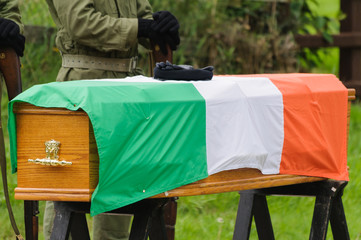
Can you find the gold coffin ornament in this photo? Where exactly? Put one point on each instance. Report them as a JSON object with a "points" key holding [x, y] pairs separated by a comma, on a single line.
{"points": [[51, 150]]}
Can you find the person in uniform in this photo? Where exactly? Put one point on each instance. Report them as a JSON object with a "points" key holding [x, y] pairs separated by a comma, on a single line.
{"points": [[99, 39], [107, 31], [11, 30]]}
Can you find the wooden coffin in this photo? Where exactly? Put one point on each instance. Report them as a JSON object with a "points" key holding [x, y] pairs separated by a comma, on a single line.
{"points": [[76, 182]]}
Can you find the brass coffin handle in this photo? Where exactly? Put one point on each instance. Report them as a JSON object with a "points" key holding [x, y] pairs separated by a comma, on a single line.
{"points": [[51, 150], [50, 162]]}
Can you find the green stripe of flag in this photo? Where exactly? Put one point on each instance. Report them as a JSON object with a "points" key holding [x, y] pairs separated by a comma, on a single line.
{"points": [[151, 137]]}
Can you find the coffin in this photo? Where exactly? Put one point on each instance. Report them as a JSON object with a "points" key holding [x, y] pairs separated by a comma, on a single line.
{"points": [[38, 179]]}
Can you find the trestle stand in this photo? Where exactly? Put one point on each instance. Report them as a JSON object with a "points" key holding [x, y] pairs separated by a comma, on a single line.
{"points": [[170, 217], [31, 211], [148, 220], [328, 207]]}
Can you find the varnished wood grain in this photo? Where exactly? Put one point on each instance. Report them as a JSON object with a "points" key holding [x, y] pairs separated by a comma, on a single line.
{"points": [[54, 194], [236, 180], [72, 129]]}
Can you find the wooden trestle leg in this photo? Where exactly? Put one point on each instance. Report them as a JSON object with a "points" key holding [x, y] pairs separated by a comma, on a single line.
{"points": [[31, 210], [70, 219], [251, 204], [328, 208], [148, 220], [152, 217], [170, 217]]}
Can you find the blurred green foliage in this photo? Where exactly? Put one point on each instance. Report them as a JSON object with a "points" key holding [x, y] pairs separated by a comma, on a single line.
{"points": [[249, 36], [238, 36]]}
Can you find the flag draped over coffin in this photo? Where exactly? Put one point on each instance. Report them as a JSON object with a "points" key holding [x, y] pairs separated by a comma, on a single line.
{"points": [[153, 136]]}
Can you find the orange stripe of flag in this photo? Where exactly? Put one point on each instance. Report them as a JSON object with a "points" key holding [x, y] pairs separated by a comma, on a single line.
{"points": [[315, 124]]}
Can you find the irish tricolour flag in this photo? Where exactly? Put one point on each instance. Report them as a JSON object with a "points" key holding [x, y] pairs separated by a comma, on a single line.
{"points": [[154, 136]]}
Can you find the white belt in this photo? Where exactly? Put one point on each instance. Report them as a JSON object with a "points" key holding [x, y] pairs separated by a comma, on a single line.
{"points": [[100, 63]]}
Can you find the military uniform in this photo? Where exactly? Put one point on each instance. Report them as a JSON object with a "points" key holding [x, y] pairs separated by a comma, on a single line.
{"points": [[99, 28], [9, 9], [10, 28], [95, 37]]}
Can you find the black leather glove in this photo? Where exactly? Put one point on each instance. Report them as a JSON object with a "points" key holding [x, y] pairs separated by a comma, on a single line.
{"points": [[17, 43], [147, 28], [8, 28]]}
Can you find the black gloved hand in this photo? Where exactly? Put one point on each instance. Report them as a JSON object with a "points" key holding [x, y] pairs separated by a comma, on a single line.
{"points": [[162, 40], [17, 43], [167, 39], [10, 36], [8, 28], [147, 28], [144, 27], [166, 22]]}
